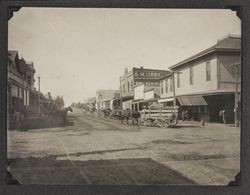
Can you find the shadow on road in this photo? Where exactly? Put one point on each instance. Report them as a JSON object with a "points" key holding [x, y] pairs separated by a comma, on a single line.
{"points": [[48, 170]]}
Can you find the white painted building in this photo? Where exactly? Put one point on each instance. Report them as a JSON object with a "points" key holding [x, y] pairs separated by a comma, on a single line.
{"points": [[205, 82], [145, 95]]}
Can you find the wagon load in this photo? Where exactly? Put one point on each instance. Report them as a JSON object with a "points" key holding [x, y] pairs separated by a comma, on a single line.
{"points": [[159, 116]]}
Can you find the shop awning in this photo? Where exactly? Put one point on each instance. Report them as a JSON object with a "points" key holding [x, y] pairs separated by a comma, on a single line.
{"points": [[166, 100], [192, 101]]}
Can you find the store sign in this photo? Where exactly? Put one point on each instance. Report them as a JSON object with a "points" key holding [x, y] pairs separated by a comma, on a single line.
{"points": [[152, 83], [148, 74]]}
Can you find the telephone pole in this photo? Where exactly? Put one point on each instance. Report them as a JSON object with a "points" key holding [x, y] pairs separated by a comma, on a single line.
{"points": [[236, 100], [173, 85]]}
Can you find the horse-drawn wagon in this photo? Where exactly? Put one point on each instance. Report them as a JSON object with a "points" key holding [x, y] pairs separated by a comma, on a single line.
{"points": [[159, 116]]}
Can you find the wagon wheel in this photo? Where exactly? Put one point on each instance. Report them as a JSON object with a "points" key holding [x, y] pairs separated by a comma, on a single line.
{"points": [[173, 121], [142, 122], [159, 123]]}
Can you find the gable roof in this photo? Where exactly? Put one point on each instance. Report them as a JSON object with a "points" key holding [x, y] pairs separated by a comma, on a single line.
{"points": [[21, 65], [12, 55], [228, 43]]}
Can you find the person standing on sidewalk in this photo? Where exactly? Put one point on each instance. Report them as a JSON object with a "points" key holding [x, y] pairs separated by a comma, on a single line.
{"points": [[223, 115]]}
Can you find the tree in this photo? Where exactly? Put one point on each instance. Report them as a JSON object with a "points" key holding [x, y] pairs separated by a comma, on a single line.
{"points": [[50, 96], [79, 105], [73, 105], [59, 102]]}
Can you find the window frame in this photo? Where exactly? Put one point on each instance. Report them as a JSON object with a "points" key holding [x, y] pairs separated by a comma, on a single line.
{"points": [[178, 80], [191, 75], [208, 71]]}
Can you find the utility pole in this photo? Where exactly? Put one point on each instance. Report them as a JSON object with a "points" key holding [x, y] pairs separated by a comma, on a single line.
{"points": [[121, 95], [236, 120], [39, 109], [173, 85]]}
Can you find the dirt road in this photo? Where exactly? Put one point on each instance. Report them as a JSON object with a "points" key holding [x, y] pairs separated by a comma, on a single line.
{"points": [[102, 151]]}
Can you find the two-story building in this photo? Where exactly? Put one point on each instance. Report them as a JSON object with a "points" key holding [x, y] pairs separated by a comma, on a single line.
{"points": [[20, 82], [135, 77], [205, 83], [104, 98], [145, 95], [90, 103]]}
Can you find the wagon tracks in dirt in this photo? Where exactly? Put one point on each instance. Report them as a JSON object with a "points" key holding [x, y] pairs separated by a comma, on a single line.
{"points": [[101, 151], [101, 124]]}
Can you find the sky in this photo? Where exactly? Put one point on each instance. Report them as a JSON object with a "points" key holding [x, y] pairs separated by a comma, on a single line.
{"points": [[77, 51]]}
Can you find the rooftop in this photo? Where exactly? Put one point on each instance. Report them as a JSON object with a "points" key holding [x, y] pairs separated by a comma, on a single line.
{"points": [[227, 43]]}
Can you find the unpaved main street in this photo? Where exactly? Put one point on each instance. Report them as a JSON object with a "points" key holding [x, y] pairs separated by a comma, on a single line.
{"points": [[102, 151]]}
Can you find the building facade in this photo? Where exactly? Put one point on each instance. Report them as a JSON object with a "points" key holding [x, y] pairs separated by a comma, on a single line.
{"points": [[145, 95], [205, 83], [104, 98], [135, 77], [20, 82]]}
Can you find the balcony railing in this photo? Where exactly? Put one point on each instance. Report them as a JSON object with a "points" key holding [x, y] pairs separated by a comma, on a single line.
{"points": [[18, 79]]}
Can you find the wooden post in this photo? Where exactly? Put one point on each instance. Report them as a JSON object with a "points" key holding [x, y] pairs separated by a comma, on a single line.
{"points": [[173, 85], [236, 121], [121, 95]]}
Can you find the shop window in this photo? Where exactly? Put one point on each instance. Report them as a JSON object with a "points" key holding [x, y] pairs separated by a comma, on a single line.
{"points": [[202, 109], [206, 109], [199, 109], [194, 109]]}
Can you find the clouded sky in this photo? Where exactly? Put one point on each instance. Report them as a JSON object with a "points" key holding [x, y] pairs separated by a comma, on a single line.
{"points": [[79, 50]]}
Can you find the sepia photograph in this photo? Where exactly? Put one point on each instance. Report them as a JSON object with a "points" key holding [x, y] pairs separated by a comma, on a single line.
{"points": [[104, 96]]}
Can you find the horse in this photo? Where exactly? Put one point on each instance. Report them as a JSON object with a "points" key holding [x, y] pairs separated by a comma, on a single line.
{"points": [[134, 115], [65, 112], [125, 115], [106, 112], [68, 109]]}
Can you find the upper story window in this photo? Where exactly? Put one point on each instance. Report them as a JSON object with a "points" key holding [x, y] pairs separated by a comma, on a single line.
{"points": [[191, 72], [178, 80], [161, 87], [29, 80], [208, 71], [123, 91], [171, 84], [128, 87], [166, 85]]}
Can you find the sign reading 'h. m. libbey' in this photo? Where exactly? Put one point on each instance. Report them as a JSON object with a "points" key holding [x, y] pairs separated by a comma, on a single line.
{"points": [[148, 73]]}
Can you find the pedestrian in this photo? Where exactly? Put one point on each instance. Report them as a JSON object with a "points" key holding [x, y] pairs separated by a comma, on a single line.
{"points": [[222, 114], [189, 114], [183, 113]]}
